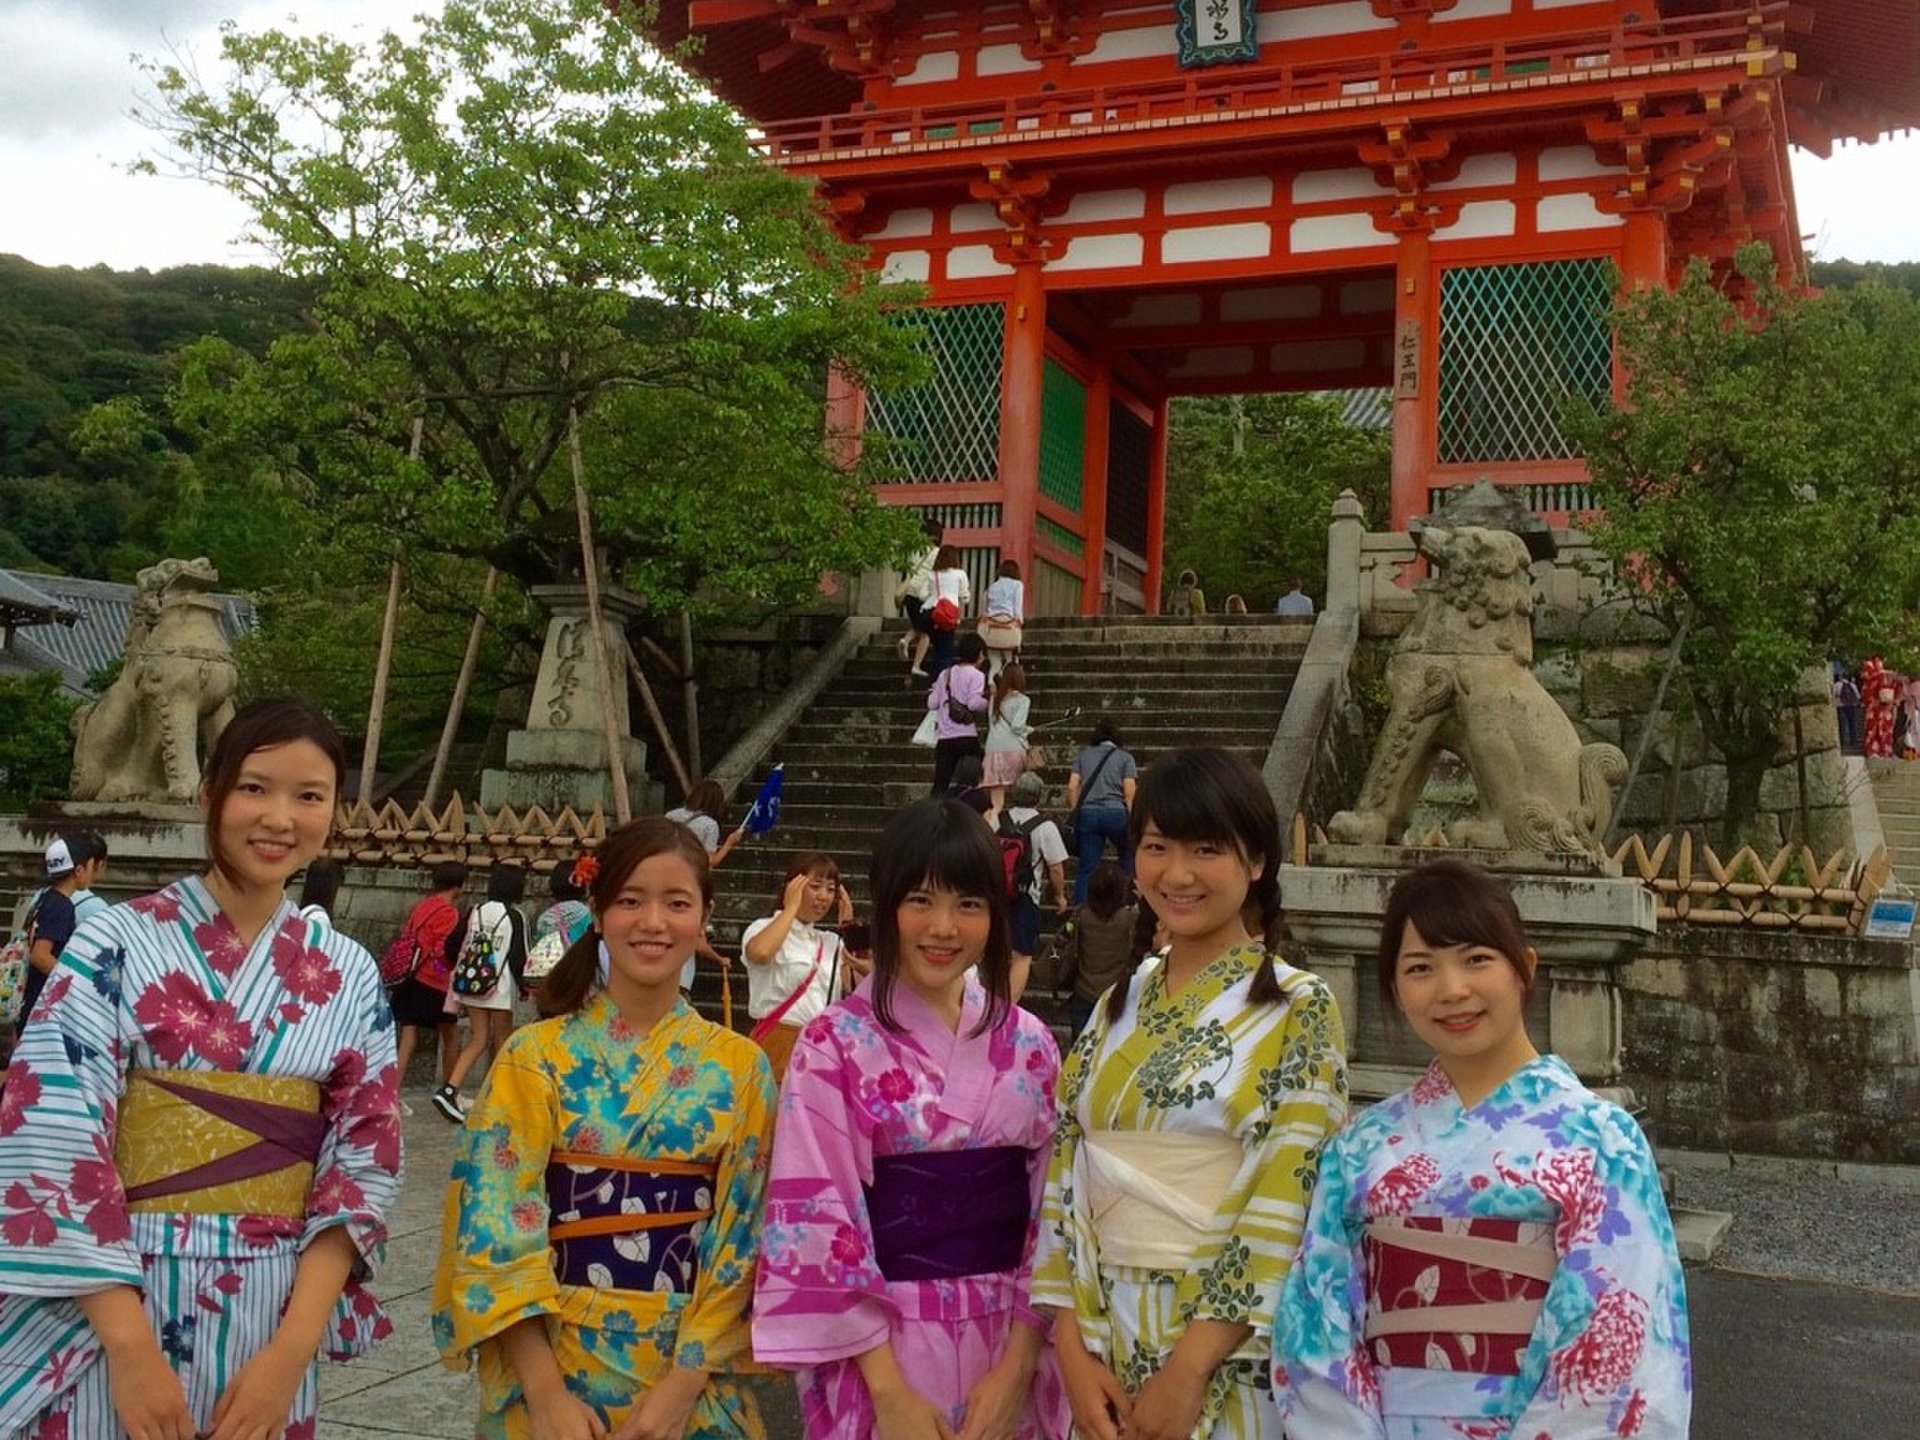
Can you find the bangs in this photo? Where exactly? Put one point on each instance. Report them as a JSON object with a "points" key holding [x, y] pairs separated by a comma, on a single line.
{"points": [[958, 863], [1207, 796]]}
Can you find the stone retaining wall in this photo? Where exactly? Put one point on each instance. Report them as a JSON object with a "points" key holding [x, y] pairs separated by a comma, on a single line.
{"points": [[1776, 1044]]}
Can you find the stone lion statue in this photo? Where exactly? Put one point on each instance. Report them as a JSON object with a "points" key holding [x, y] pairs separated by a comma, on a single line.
{"points": [[143, 738], [1461, 679]]}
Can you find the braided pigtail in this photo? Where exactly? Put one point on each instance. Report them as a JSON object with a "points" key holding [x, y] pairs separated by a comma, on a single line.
{"points": [[1143, 927], [1265, 892]]}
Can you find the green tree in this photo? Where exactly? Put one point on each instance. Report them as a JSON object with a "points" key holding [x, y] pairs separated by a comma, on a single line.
{"points": [[1251, 484], [1760, 480], [36, 746], [524, 215]]}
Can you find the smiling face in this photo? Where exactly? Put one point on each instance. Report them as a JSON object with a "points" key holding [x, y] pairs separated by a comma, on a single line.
{"points": [[276, 817], [1197, 889], [1465, 1001], [943, 935], [651, 927]]}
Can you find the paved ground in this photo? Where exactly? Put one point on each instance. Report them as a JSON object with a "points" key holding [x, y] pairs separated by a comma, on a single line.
{"points": [[1777, 1353]]}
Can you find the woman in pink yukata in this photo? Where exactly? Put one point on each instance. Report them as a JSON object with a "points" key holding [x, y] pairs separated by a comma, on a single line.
{"points": [[1487, 1254], [908, 1164]]}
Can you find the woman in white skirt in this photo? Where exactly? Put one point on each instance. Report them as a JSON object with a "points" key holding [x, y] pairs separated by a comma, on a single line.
{"points": [[1007, 732], [489, 1014]]}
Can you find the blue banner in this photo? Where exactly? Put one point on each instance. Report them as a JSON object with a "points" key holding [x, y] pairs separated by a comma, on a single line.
{"points": [[1217, 32], [766, 805]]}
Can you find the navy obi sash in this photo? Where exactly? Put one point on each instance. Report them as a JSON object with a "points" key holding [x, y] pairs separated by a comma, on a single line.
{"points": [[948, 1213], [619, 1224]]}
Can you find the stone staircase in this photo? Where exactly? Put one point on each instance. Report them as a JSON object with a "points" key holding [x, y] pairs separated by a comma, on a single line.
{"points": [[1896, 791], [850, 761]]}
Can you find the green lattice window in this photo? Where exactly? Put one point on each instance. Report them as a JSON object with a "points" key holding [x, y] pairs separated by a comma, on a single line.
{"points": [[948, 427], [1516, 341], [1060, 537], [1063, 436]]}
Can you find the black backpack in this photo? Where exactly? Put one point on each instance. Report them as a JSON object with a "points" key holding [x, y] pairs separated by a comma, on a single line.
{"points": [[1016, 851]]}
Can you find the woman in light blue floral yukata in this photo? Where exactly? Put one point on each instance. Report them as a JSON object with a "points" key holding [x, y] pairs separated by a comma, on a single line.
{"points": [[200, 1136], [1488, 1254], [597, 1259]]}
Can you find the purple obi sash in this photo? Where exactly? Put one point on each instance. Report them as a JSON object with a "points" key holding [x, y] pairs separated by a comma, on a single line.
{"points": [[947, 1213], [619, 1224]]}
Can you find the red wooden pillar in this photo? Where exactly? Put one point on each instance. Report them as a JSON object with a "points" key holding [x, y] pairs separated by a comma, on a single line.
{"points": [[846, 417], [1093, 484], [1643, 250], [1023, 374], [1416, 348], [1156, 504]]}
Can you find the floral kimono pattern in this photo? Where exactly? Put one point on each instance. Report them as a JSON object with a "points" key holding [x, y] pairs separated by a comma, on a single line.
{"points": [[1608, 1354], [686, 1092], [857, 1090], [1204, 1061], [165, 983]]}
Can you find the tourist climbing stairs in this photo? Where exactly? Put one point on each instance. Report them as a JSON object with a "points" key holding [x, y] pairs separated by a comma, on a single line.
{"points": [[850, 761]]}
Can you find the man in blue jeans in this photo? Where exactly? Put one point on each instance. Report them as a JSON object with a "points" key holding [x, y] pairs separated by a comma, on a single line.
{"points": [[1099, 795]]}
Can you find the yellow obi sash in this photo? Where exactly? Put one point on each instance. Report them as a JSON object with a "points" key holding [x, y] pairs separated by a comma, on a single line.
{"points": [[206, 1142], [1153, 1194]]}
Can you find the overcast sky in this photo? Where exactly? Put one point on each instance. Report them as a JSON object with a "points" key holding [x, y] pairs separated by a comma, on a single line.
{"points": [[67, 81]]}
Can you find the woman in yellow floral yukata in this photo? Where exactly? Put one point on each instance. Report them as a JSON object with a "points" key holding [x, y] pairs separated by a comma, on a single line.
{"points": [[1192, 1111], [598, 1257]]}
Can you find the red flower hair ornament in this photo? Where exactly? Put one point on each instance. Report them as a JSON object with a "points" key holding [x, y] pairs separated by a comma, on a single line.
{"points": [[584, 871]]}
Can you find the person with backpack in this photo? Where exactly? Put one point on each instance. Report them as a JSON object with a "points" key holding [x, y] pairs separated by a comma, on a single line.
{"points": [[952, 595], [1099, 799], [557, 927], [486, 973], [416, 972], [1035, 857], [958, 701]]}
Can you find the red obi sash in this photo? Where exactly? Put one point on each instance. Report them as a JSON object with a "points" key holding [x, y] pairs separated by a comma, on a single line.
{"points": [[1446, 1294]]}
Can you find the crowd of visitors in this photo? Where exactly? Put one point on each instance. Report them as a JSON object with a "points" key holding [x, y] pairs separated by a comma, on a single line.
{"points": [[895, 1187], [1877, 710]]}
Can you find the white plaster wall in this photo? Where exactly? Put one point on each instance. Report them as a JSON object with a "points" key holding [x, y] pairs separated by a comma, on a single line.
{"points": [[1217, 242], [1243, 192]]}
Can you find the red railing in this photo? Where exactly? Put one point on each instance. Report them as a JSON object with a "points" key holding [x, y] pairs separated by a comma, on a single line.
{"points": [[1663, 42]]}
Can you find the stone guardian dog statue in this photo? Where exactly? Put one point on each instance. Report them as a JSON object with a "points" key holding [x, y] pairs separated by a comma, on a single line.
{"points": [[1461, 679], [142, 741]]}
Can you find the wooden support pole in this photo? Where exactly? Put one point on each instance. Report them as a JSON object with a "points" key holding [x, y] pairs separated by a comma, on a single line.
{"points": [[690, 693], [1023, 381], [463, 682], [383, 665], [602, 661], [659, 721]]}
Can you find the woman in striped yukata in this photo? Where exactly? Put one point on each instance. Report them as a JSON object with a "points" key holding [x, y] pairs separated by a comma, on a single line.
{"points": [[200, 1135]]}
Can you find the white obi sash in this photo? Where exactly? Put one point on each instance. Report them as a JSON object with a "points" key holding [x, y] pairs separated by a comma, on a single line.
{"points": [[1153, 1194]]}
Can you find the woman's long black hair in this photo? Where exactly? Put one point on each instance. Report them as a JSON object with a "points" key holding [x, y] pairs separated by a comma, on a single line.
{"points": [[942, 845], [1203, 794]]}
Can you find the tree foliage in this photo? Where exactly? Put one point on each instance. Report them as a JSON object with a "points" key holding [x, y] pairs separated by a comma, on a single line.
{"points": [[1251, 485], [1762, 477], [523, 215], [36, 748]]}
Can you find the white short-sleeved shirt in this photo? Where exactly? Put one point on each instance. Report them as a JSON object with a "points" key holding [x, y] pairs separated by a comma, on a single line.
{"points": [[1049, 849], [768, 985]]}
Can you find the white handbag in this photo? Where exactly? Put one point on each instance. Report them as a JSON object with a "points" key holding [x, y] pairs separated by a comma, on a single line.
{"points": [[928, 731]]}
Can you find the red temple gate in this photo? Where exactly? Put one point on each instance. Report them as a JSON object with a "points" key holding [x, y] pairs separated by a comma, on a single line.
{"points": [[1115, 202]]}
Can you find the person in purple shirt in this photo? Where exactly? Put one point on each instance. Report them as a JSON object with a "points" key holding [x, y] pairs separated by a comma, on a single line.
{"points": [[958, 700]]}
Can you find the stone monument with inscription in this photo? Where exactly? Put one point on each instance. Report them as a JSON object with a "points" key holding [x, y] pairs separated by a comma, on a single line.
{"points": [[560, 759]]}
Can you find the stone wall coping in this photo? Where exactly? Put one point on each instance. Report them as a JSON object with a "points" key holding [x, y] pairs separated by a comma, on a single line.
{"points": [[1310, 702]]}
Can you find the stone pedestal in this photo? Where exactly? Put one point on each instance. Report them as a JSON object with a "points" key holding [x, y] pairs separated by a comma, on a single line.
{"points": [[560, 759], [1582, 918]]}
